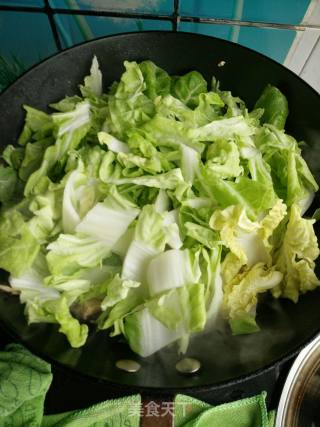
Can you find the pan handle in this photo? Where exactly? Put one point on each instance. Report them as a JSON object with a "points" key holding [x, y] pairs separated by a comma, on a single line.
{"points": [[157, 412]]}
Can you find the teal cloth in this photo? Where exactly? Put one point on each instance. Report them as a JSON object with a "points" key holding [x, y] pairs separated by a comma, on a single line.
{"points": [[25, 380]]}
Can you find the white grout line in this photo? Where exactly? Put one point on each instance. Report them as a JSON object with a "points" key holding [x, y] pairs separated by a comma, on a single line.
{"points": [[238, 16], [242, 23]]}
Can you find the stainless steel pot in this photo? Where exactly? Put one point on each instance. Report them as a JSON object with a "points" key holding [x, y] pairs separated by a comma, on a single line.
{"points": [[300, 398]]}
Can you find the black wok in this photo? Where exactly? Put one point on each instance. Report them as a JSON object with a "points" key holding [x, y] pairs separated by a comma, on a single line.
{"points": [[227, 362]]}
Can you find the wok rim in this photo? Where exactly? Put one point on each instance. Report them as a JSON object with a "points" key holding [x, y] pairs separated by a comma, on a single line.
{"points": [[136, 33]]}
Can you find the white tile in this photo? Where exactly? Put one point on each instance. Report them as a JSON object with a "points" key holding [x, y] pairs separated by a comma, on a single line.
{"points": [[311, 69], [312, 16], [301, 49], [304, 55]]}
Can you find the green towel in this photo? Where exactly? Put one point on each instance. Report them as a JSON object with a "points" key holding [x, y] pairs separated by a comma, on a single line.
{"points": [[25, 379], [117, 412], [24, 382], [250, 412]]}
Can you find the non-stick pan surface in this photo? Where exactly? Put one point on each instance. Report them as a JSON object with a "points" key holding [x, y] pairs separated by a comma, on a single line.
{"points": [[285, 326]]}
